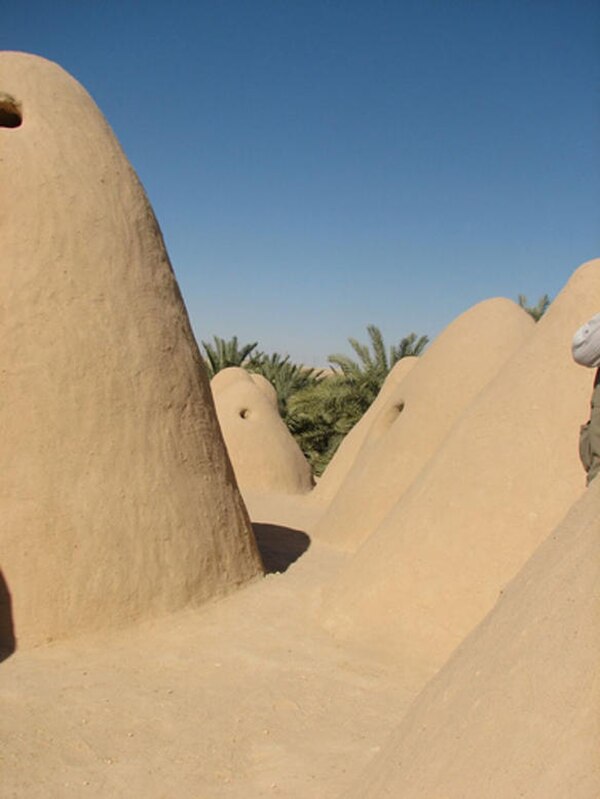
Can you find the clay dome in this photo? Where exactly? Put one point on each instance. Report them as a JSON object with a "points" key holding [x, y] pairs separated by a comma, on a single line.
{"points": [[498, 485], [365, 432], [421, 411], [515, 710], [118, 500], [264, 454]]}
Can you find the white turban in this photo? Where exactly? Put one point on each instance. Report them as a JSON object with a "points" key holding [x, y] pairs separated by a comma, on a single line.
{"points": [[586, 343]]}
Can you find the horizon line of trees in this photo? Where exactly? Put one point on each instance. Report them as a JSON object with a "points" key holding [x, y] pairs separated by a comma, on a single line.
{"points": [[321, 407]]}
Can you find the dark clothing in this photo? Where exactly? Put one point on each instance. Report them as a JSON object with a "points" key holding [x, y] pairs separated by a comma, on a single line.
{"points": [[589, 437]]}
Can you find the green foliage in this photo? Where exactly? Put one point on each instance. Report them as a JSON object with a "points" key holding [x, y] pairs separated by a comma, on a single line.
{"points": [[319, 411], [411, 345], [222, 354], [535, 311], [288, 378], [368, 374], [320, 416]]}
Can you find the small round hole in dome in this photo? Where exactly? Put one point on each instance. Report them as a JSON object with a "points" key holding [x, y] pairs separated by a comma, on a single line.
{"points": [[10, 112]]}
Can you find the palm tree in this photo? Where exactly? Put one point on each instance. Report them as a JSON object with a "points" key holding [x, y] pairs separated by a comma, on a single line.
{"points": [[319, 411], [535, 311], [223, 353], [410, 345], [288, 378], [321, 415], [369, 373]]}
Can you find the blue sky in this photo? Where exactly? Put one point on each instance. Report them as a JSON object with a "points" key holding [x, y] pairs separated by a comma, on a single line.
{"points": [[319, 165]]}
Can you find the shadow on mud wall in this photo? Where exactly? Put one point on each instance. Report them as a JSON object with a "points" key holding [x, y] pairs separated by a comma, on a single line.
{"points": [[8, 643], [279, 546]]}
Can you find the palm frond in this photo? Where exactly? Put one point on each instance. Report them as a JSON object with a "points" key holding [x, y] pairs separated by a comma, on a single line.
{"points": [[378, 346], [535, 311], [222, 353]]}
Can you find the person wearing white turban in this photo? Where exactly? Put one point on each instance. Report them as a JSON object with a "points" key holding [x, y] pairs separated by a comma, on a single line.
{"points": [[586, 352]]}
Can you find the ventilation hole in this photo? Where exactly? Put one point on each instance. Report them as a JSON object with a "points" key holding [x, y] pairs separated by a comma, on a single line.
{"points": [[399, 406], [244, 413], [10, 112]]}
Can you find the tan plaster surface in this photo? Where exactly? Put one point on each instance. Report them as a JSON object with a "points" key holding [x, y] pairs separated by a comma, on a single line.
{"points": [[264, 455], [378, 418], [516, 711], [117, 500], [497, 486], [431, 397], [120, 515]]}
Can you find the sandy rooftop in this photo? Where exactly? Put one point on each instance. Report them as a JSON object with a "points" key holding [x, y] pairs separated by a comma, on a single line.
{"points": [[427, 621], [246, 697]]}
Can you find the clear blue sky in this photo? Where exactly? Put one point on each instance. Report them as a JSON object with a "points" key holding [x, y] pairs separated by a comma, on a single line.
{"points": [[318, 165]]}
